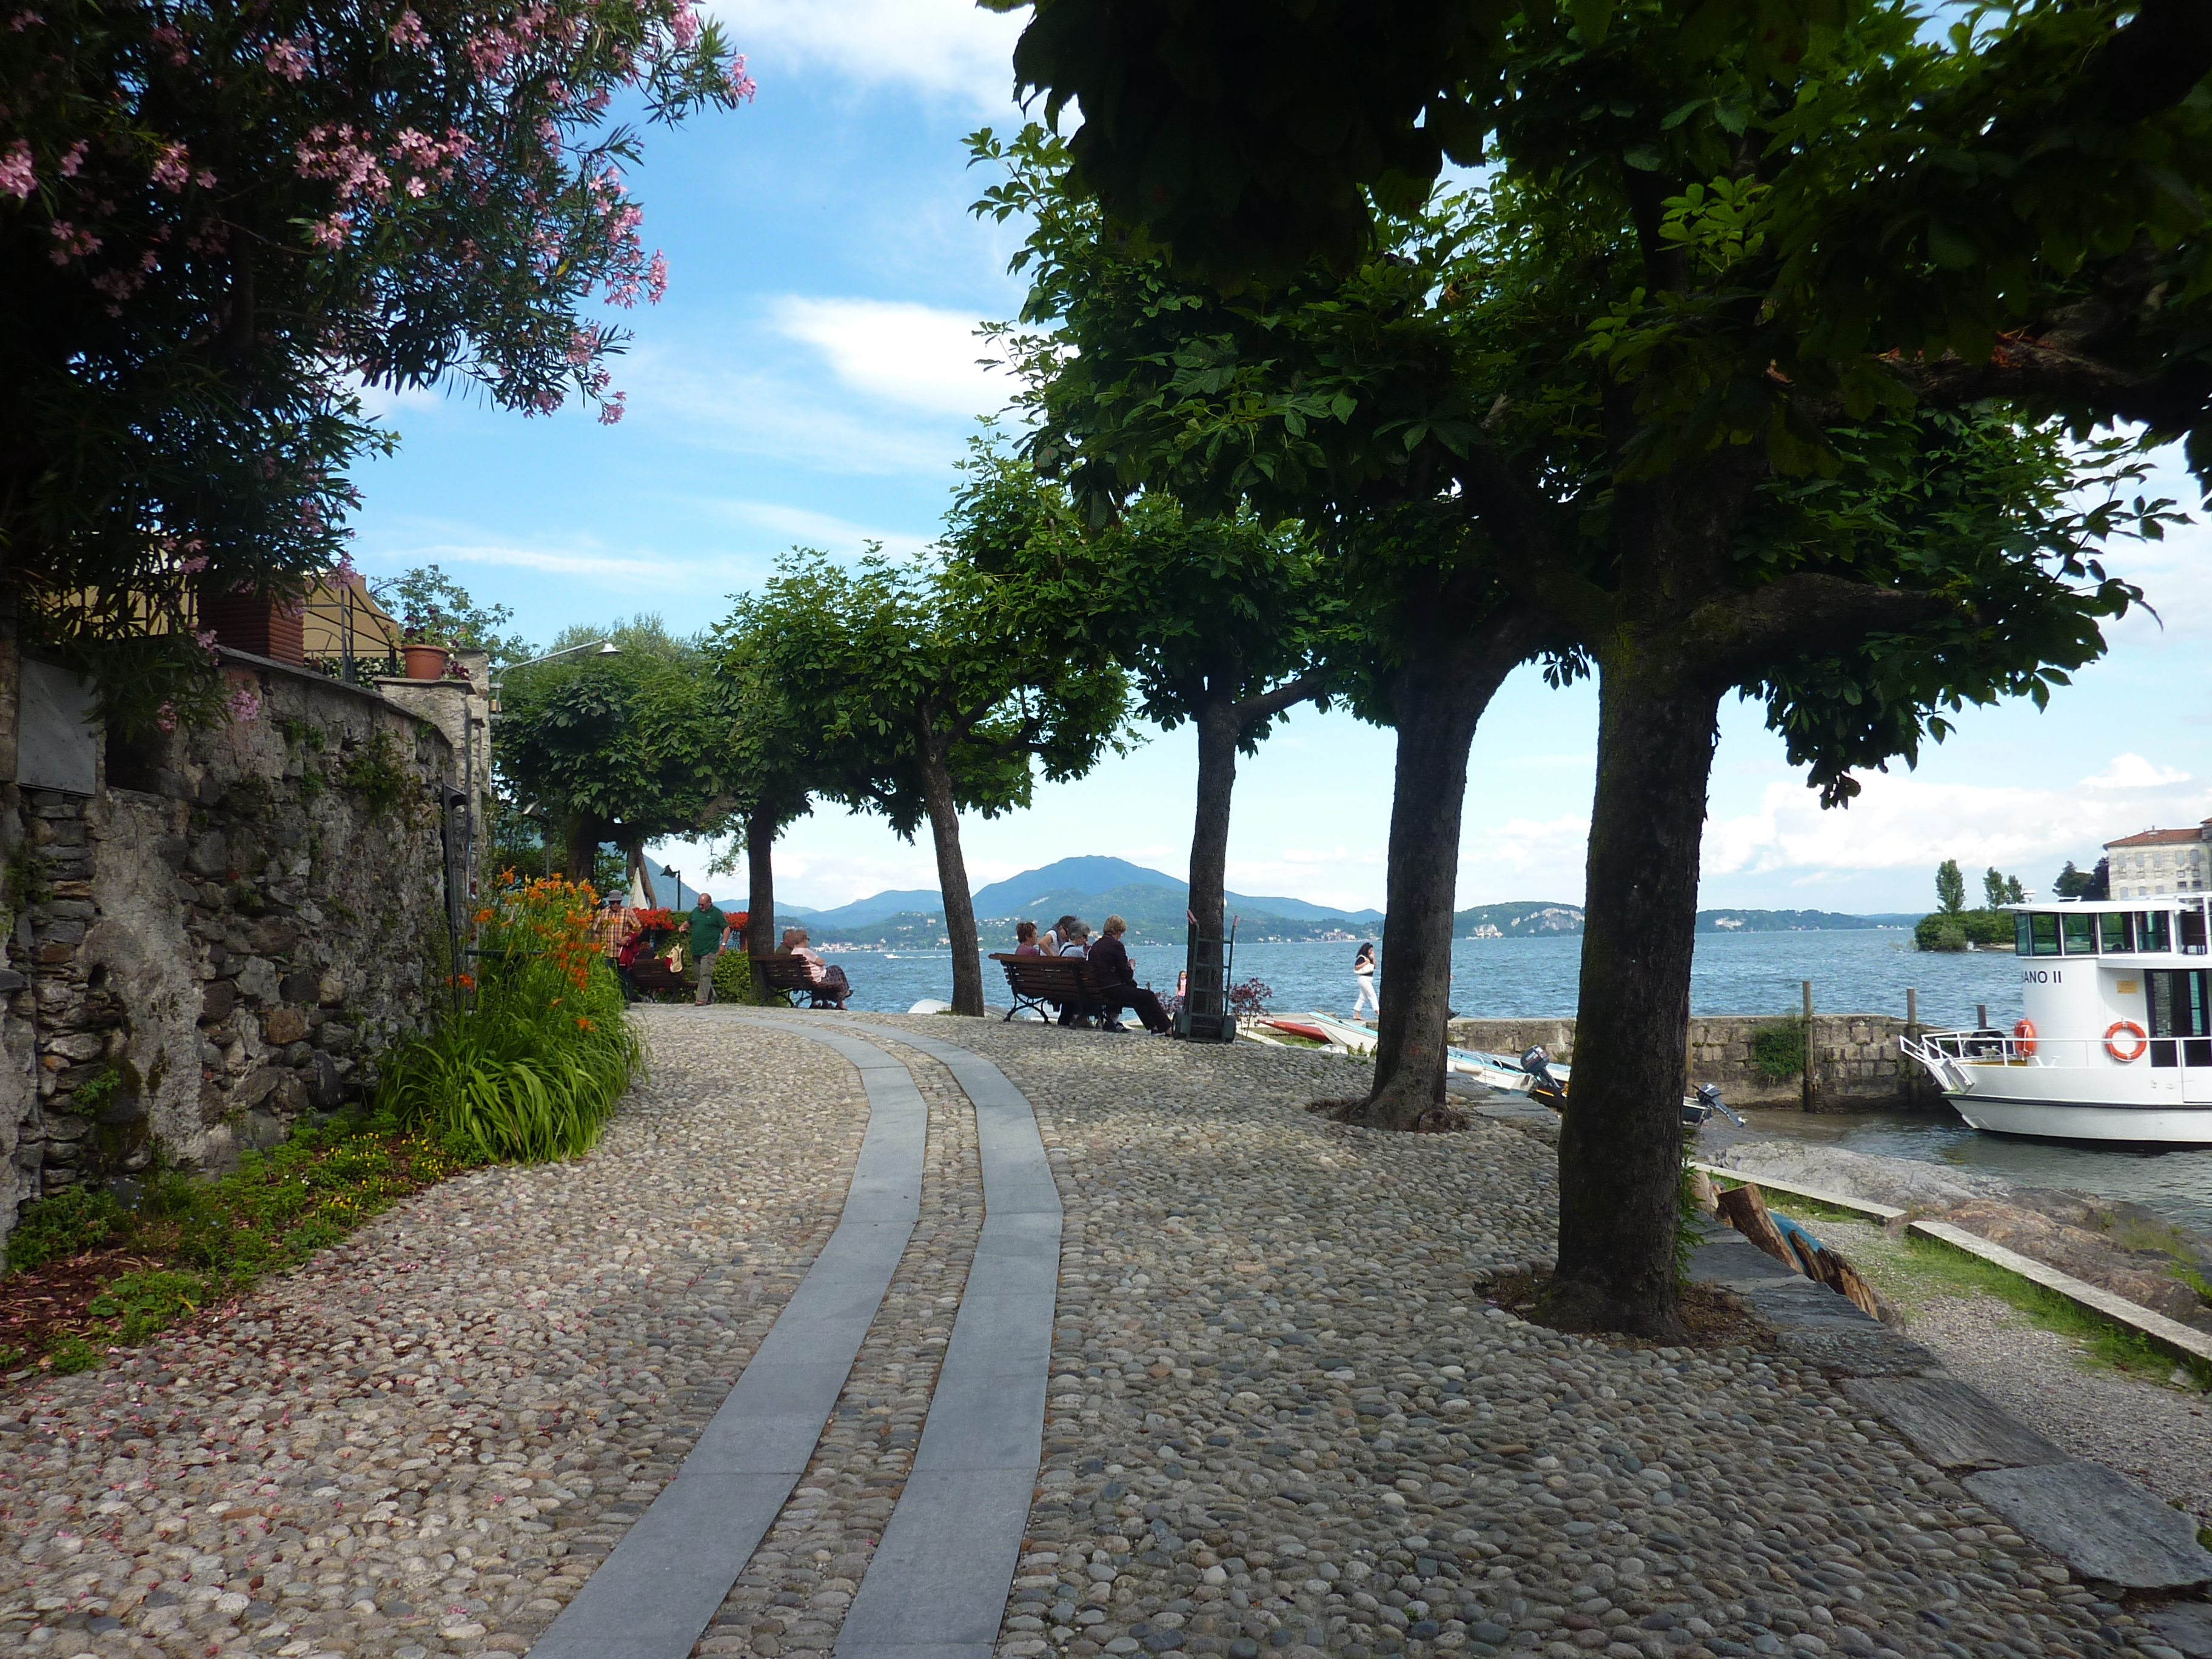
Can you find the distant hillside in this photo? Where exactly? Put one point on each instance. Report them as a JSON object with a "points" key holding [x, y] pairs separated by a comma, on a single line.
{"points": [[1153, 902], [1529, 918], [1792, 921], [1520, 920]]}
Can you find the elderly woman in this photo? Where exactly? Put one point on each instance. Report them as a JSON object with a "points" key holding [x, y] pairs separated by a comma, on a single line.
{"points": [[827, 976]]}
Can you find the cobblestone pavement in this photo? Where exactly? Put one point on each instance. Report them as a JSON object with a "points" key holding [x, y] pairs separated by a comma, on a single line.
{"points": [[1282, 1420], [424, 1441]]}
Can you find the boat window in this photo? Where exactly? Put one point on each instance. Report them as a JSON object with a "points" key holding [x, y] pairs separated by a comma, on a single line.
{"points": [[2020, 942], [2115, 937], [2079, 929], [2178, 1010], [2042, 934], [2151, 931]]}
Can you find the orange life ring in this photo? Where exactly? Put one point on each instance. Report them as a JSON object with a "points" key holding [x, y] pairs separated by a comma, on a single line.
{"points": [[2023, 1036], [2141, 1037]]}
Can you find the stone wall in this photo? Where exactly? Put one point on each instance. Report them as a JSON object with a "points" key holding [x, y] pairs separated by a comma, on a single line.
{"points": [[216, 941], [1857, 1065]]}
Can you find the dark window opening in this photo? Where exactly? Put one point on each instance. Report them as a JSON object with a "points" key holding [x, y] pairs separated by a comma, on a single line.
{"points": [[135, 759], [2180, 1021]]}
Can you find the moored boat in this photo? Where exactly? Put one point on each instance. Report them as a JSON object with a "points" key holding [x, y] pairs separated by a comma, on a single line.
{"points": [[2114, 1042]]}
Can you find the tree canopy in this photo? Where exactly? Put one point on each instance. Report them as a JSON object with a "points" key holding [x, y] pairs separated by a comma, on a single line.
{"points": [[931, 693], [628, 749]]}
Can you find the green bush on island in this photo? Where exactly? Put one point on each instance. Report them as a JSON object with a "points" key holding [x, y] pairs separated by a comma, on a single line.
{"points": [[1954, 930]]}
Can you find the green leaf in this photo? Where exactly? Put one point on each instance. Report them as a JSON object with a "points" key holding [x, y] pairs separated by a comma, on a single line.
{"points": [[1644, 158], [1593, 18], [1948, 248]]}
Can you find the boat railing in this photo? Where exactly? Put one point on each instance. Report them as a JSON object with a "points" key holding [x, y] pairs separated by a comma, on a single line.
{"points": [[1990, 1047]]}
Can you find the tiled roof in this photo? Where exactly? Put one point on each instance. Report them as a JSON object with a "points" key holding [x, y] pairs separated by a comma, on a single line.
{"points": [[2161, 838]]}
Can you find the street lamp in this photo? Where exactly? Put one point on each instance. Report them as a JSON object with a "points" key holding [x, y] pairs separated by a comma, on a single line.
{"points": [[600, 647]]}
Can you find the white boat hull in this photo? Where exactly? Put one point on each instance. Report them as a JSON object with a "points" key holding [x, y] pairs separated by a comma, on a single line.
{"points": [[2178, 1126]]}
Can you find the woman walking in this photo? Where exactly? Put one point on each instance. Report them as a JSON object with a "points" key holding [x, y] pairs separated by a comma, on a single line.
{"points": [[1363, 976]]}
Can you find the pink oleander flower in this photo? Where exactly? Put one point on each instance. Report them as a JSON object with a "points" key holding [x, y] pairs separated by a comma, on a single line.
{"points": [[611, 410], [18, 178], [584, 345], [171, 170], [656, 277], [684, 24], [409, 31], [204, 178], [23, 20], [170, 40], [245, 703], [73, 160], [286, 58], [71, 242], [741, 85], [167, 719], [331, 232]]}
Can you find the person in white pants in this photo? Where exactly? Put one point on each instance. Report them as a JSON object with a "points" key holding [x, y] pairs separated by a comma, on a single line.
{"points": [[1363, 976]]}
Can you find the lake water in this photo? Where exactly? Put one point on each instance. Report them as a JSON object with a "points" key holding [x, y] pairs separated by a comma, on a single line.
{"points": [[1864, 971], [1852, 972]]}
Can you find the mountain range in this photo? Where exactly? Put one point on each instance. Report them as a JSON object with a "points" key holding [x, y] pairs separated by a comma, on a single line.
{"points": [[1154, 903]]}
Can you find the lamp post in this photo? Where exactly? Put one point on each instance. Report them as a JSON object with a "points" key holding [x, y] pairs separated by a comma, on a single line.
{"points": [[598, 648]]}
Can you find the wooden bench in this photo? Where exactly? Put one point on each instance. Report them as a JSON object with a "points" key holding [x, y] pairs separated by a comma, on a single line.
{"points": [[651, 973], [1068, 982], [787, 975]]}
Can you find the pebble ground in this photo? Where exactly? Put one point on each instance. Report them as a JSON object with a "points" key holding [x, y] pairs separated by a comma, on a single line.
{"points": [[1282, 1418]]}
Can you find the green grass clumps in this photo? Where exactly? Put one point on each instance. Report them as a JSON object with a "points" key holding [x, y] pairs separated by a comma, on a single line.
{"points": [[1954, 1269], [1777, 1051], [531, 1067], [67, 1223]]}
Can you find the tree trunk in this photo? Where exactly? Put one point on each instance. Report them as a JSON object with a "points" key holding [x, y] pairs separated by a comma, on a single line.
{"points": [[1439, 697], [585, 835], [760, 895], [1620, 1147], [952, 879], [1218, 731]]}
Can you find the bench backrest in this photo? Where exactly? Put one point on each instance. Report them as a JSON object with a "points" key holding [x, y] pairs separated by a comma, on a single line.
{"points": [[783, 973], [1039, 975]]}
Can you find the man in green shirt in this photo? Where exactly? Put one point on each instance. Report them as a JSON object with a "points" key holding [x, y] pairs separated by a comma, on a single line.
{"points": [[709, 928]]}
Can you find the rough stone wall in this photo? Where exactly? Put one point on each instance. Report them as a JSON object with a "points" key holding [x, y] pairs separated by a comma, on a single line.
{"points": [[199, 961], [1856, 1063]]}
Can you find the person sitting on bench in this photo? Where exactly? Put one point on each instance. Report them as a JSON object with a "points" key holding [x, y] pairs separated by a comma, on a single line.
{"points": [[834, 986], [1111, 958], [1025, 939]]}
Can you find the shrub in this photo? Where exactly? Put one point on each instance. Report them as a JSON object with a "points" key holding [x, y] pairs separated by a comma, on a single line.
{"points": [[72, 1221], [531, 1067], [734, 976], [145, 1302], [1777, 1051], [1250, 999]]}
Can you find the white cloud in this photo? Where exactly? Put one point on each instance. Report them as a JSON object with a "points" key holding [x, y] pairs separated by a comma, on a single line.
{"points": [[950, 50], [2134, 772], [905, 353], [587, 559], [1903, 822]]}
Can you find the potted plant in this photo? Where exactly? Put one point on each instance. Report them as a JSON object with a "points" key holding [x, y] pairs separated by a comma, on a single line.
{"points": [[425, 661]]}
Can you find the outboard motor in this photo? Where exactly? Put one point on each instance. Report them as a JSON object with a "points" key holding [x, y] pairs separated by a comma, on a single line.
{"points": [[1709, 1096], [1543, 1086]]}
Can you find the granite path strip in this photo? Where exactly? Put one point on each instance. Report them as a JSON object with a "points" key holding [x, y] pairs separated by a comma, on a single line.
{"points": [[655, 1593], [939, 1581]]}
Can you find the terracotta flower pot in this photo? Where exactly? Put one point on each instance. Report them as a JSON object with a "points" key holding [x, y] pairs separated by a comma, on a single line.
{"points": [[425, 662]]}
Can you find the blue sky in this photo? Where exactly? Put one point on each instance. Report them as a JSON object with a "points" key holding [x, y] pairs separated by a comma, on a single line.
{"points": [[811, 377]]}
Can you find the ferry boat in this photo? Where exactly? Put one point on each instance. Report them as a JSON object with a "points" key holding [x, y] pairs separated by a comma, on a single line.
{"points": [[2114, 1042]]}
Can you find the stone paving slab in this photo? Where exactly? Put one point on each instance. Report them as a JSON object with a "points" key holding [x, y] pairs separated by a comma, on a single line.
{"points": [[1954, 1427], [2101, 1523]]}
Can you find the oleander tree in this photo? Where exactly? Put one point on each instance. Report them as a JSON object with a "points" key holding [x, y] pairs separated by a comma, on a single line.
{"points": [[220, 224], [1772, 275], [931, 690]]}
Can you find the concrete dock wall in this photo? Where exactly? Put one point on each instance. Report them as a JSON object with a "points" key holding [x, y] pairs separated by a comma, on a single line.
{"points": [[1857, 1065]]}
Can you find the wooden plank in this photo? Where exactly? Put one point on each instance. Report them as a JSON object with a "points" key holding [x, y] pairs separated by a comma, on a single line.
{"points": [[1819, 1195], [1954, 1427], [2168, 1334], [1740, 1207]]}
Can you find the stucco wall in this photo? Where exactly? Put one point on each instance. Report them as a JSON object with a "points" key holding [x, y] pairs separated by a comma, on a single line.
{"points": [[224, 946]]}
